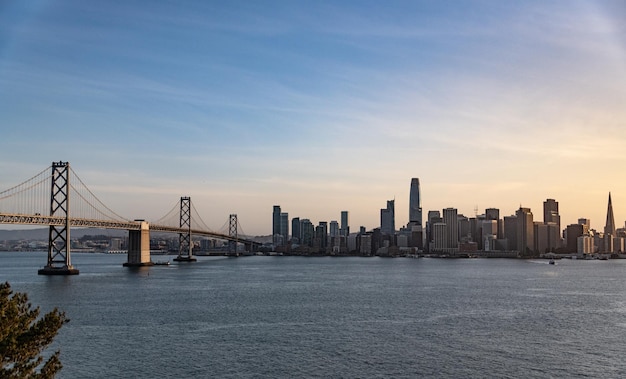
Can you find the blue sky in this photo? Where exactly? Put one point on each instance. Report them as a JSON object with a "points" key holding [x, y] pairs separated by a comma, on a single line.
{"points": [[319, 106]]}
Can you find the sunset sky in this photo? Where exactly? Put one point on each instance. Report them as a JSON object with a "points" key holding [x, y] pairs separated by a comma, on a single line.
{"points": [[319, 106]]}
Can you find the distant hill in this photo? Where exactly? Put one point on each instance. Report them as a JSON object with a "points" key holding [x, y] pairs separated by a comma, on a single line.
{"points": [[42, 233]]}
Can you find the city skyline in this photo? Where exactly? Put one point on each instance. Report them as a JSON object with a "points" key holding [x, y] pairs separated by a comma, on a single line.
{"points": [[320, 107]]}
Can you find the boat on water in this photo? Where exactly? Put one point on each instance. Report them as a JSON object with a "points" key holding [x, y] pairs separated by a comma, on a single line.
{"points": [[551, 262], [162, 263]]}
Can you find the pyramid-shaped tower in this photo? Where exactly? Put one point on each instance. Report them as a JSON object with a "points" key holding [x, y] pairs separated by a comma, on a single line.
{"points": [[609, 227]]}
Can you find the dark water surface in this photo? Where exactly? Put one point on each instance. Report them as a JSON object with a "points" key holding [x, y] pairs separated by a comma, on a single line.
{"points": [[268, 317]]}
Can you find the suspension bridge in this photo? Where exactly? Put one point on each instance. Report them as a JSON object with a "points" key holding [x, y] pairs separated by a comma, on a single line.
{"points": [[58, 198]]}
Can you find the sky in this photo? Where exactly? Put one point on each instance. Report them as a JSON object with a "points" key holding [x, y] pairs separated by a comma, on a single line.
{"points": [[319, 106]]}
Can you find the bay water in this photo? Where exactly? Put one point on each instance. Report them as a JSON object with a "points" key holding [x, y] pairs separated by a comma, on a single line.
{"points": [[285, 317]]}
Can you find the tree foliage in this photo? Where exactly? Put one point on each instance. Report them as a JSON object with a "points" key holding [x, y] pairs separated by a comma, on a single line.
{"points": [[24, 336]]}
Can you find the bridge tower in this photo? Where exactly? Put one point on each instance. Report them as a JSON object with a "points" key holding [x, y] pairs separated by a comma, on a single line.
{"points": [[59, 261], [185, 246], [232, 232]]}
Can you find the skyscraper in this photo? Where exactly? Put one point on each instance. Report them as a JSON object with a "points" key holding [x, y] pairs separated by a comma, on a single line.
{"points": [[609, 227], [525, 231], [551, 218], [415, 203], [551, 212], [276, 224], [451, 219], [387, 219], [510, 231], [284, 226], [334, 228], [296, 235], [494, 214], [344, 228]]}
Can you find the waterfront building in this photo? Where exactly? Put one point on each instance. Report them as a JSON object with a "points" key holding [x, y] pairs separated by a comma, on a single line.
{"points": [[415, 203], [465, 233], [554, 236], [276, 224], [608, 244], [387, 218], [494, 214], [585, 245], [296, 235], [618, 245], [432, 218], [321, 232], [402, 240], [572, 233], [541, 237], [307, 231], [450, 218], [352, 242], [524, 229], [345, 227], [609, 226], [586, 223], [488, 234], [439, 231], [365, 245], [334, 229], [551, 212], [284, 226]]}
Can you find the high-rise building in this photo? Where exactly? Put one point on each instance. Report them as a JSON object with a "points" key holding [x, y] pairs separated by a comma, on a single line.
{"points": [[276, 224], [321, 234], [345, 227], [415, 203], [551, 212], [439, 233], [450, 218], [586, 223], [334, 228], [510, 232], [540, 233], [284, 226], [494, 214], [296, 235], [387, 219], [525, 231], [465, 233], [432, 218], [572, 232], [609, 227], [308, 232]]}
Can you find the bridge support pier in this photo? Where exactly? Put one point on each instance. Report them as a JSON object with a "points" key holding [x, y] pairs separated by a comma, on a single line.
{"points": [[139, 247]]}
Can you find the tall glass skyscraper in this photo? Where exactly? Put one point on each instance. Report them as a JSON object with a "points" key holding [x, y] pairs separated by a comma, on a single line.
{"points": [[415, 203], [344, 227], [388, 219]]}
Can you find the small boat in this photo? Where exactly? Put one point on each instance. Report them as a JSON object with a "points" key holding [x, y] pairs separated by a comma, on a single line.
{"points": [[162, 263], [551, 262]]}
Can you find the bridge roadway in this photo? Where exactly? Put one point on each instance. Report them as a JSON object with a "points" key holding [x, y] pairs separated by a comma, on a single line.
{"points": [[22, 219]]}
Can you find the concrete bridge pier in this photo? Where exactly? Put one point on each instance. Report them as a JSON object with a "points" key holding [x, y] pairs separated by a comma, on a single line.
{"points": [[139, 247]]}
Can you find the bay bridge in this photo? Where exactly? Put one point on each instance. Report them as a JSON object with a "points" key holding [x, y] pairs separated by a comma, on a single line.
{"points": [[56, 197]]}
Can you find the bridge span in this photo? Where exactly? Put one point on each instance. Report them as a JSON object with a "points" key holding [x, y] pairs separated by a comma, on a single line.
{"points": [[45, 200]]}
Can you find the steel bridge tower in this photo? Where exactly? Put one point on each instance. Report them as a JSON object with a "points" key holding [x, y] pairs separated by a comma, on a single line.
{"points": [[232, 232], [59, 262], [185, 246]]}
